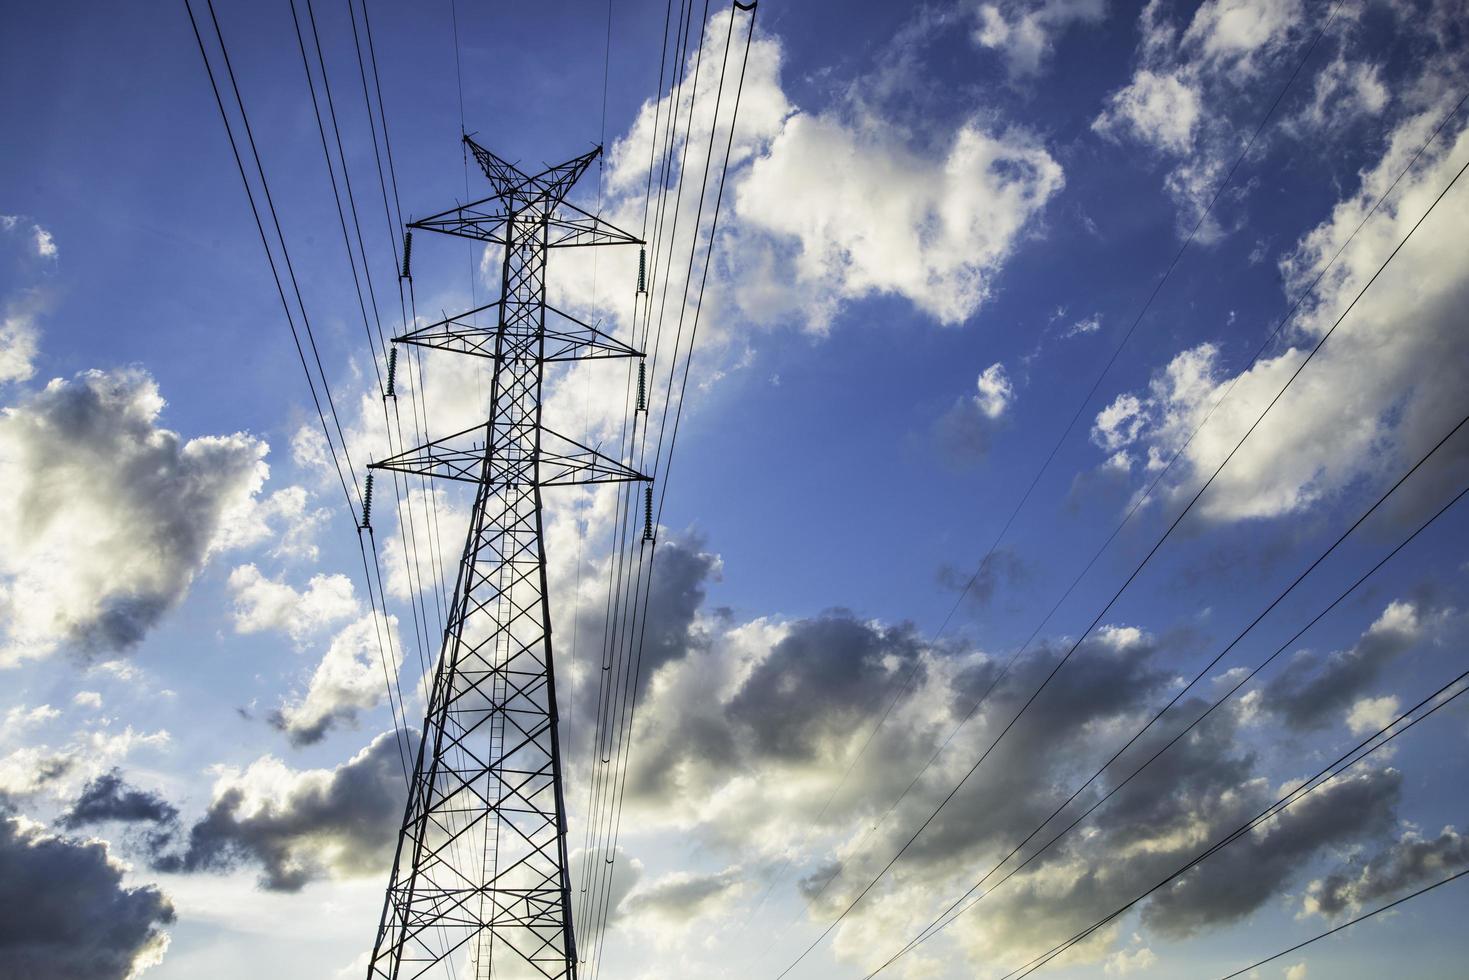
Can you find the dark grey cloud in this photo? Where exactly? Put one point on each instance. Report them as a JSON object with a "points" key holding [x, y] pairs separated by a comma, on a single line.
{"points": [[1313, 692], [1002, 568], [963, 434], [109, 798], [326, 824], [1406, 863], [680, 577], [67, 915], [818, 680], [1248, 873]]}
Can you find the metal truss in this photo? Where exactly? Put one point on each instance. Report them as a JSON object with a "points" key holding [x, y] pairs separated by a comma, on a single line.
{"points": [[480, 884]]}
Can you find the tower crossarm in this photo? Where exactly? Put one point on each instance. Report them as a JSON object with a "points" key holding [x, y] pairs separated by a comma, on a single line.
{"points": [[510, 461], [567, 338]]}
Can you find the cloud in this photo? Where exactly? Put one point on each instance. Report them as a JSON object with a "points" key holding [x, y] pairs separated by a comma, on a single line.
{"points": [[1385, 387], [1086, 325], [68, 914], [855, 212], [678, 898], [108, 798], [1409, 861], [1002, 567], [1160, 110], [965, 430], [269, 604], [742, 740], [1296, 971], [1369, 715], [45, 245], [1024, 31], [1313, 692], [107, 517], [1124, 961], [1214, 62], [20, 337], [35, 767], [348, 680], [299, 826], [284, 518]]}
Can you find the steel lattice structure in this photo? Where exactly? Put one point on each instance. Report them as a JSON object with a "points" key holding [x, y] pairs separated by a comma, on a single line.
{"points": [[480, 875]]}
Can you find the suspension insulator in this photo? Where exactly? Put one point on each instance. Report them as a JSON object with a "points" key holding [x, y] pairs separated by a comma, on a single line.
{"points": [[643, 269], [367, 503], [407, 255], [647, 513], [392, 372], [642, 386]]}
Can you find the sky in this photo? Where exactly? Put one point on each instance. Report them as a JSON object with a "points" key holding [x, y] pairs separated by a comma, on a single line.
{"points": [[1046, 347]]}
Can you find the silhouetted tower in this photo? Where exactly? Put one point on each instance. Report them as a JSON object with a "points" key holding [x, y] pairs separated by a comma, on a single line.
{"points": [[480, 877]]}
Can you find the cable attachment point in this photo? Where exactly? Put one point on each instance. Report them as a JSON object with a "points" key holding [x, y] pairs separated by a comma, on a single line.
{"points": [[407, 255], [647, 513], [366, 524], [642, 269], [392, 372], [642, 386]]}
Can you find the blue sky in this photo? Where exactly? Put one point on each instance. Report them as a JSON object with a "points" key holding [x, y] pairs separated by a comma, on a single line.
{"points": [[940, 224]]}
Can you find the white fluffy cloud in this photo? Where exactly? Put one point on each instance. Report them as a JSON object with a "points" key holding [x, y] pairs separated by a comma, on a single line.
{"points": [[853, 211], [107, 516], [1024, 32], [1212, 62], [269, 604], [1159, 109], [350, 679], [994, 391], [19, 338], [1385, 387]]}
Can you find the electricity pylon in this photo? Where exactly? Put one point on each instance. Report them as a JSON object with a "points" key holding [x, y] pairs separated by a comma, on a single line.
{"points": [[480, 880]]}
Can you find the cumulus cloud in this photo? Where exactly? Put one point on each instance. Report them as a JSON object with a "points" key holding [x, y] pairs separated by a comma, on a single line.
{"points": [[68, 914], [36, 767], [1212, 62], [261, 603], [1024, 32], [1384, 388], [856, 212], [1313, 691], [44, 243], [678, 898], [741, 743], [965, 430], [108, 798], [348, 680], [20, 337], [299, 826], [107, 516], [1408, 862], [1002, 567], [1158, 109]]}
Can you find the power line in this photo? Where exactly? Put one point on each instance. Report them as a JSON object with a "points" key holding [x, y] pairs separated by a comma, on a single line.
{"points": [[912, 672], [942, 921], [1140, 501], [631, 689], [1350, 922], [1404, 722], [1136, 571]]}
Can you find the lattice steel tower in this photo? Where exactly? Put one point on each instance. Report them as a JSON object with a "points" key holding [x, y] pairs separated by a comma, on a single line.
{"points": [[480, 880]]}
